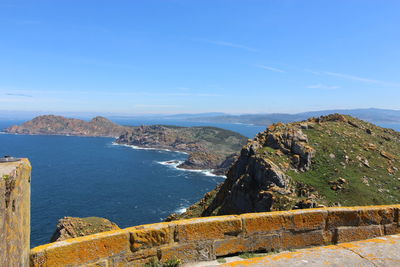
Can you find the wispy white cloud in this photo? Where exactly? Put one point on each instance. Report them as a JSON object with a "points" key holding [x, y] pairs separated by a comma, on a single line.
{"points": [[354, 78], [180, 92], [229, 44], [323, 86], [20, 95], [269, 68]]}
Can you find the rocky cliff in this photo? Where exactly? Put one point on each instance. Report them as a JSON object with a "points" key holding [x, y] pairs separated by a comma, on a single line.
{"points": [[208, 147], [328, 161], [71, 227], [58, 125]]}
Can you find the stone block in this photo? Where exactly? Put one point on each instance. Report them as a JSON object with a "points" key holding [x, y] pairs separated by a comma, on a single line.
{"points": [[267, 222], [347, 234], [293, 240], [151, 235], [81, 250], [371, 215], [190, 252], [208, 228], [231, 246], [263, 242], [311, 219], [338, 217], [391, 229], [142, 254]]}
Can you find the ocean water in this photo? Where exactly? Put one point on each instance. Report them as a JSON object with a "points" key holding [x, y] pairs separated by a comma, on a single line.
{"points": [[91, 176]]}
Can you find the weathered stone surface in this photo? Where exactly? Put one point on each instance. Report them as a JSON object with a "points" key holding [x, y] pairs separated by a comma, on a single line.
{"points": [[86, 249], [151, 235], [291, 240], [347, 234], [342, 217], [267, 222], [207, 238], [188, 252], [230, 246], [207, 228], [376, 215], [313, 257], [15, 178], [382, 251], [309, 219]]}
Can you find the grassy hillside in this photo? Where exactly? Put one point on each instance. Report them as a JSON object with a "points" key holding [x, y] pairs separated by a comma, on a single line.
{"points": [[328, 161]]}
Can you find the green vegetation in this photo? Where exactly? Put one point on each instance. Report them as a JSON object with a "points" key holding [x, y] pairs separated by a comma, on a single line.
{"points": [[353, 154], [334, 160], [6, 177], [221, 260], [249, 255]]}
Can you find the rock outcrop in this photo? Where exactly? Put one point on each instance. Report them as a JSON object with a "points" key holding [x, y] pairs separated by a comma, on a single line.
{"points": [[328, 161], [70, 227], [58, 125]]}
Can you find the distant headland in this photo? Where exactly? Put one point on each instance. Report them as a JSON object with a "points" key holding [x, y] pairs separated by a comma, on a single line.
{"points": [[209, 148]]}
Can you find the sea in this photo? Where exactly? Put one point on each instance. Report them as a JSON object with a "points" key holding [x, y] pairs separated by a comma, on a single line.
{"points": [[93, 176]]}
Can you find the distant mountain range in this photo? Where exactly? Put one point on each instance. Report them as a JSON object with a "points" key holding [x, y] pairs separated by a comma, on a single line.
{"points": [[378, 116], [374, 115]]}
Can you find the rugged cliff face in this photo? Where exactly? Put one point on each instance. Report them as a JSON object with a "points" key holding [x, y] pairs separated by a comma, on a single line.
{"points": [[208, 147], [327, 161], [70, 227], [58, 125]]}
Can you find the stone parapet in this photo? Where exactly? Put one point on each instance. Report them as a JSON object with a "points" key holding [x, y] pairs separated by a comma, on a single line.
{"points": [[15, 179], [207, 238]]}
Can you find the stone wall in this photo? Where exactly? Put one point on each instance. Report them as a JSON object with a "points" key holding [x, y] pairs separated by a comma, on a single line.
{"points": [[15, 178], [211, 237]]}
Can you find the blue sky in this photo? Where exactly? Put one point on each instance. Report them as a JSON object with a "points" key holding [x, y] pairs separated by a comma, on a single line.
{"points": [[175, 56]]}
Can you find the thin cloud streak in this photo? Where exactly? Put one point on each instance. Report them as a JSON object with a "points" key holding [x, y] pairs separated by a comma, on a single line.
{"points": [[354, 78], [31, 93], [229, 44], [322, 86], [270, 68], [20, 95]]}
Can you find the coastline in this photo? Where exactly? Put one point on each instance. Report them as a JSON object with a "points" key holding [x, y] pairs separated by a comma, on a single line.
{"points": [[207, 172], [172, 163]]}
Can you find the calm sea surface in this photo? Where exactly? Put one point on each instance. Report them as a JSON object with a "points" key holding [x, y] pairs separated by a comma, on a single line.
{"points": [[89, 176]]}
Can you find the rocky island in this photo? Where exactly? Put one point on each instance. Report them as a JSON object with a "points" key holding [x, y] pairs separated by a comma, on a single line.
{"points": [[332, 160], [58, 125], [208, 148]]}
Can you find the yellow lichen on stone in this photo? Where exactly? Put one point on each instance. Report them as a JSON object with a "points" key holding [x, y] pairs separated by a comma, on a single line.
{"points": [[309, 219], [208, 228], [267, 222], [146, 236], [82, 249]]}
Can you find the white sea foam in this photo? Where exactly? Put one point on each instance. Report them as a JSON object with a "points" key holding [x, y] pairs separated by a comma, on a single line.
{"points": [[148, 148], [175, 163], [180, 210], [171, 163]]}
